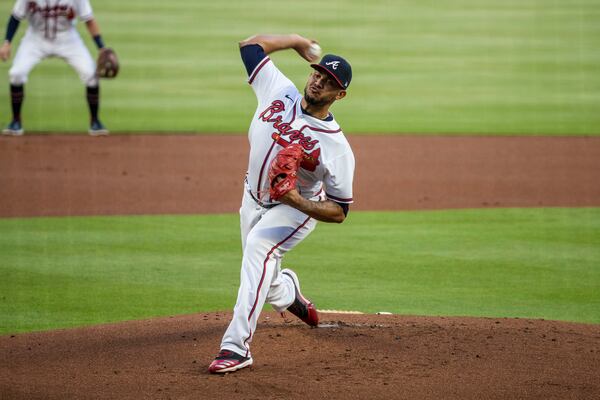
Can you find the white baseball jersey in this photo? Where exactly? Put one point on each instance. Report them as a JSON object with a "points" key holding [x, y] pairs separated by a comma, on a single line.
{"points": [[52, 33], [51, 18], [279, 120]]}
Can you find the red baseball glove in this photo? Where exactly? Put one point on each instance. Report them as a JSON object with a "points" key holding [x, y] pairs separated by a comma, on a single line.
{"points": [[283, 169]]}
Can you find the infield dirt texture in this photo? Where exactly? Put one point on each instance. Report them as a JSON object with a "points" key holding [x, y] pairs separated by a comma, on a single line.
{"points": [[350, 356]]}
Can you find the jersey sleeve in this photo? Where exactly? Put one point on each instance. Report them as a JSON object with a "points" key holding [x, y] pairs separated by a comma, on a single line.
{"points": [[83, 9], [264, 77], [338, 178], [20, 9]]}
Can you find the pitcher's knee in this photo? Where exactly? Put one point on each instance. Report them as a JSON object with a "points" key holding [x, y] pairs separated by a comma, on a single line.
{"points": [[257, 243], [259, 249]]}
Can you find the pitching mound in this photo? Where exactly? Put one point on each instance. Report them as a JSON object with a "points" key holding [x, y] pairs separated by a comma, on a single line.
{"points": [[348, 357]]}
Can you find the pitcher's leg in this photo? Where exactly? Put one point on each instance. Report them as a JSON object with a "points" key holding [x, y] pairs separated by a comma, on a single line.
{"points": [[281, 293], [256, 274], [277, 232], [250, 214]]}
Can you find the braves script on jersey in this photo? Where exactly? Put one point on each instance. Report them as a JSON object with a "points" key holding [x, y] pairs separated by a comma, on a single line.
{"points": [[279, 120], [49, 18]]}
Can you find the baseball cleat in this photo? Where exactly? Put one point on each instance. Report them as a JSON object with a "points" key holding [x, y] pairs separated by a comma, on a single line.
{"points": [[302, 307], [14, 129], [97, 129], [228, 361]]}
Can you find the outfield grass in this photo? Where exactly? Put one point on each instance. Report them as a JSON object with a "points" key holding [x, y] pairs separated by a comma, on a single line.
{"points": [[474, 66], [539, 263]]}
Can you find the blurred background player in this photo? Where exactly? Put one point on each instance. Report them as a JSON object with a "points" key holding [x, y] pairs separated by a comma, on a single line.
{"points": [[52, 33]]}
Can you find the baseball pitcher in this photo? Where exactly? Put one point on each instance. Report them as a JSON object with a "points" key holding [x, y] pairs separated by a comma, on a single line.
{"points": [[52, 33], [300, 170]]}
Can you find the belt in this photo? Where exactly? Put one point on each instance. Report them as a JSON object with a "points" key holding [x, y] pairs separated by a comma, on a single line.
{"points": [[257, 201], [260, 203]]}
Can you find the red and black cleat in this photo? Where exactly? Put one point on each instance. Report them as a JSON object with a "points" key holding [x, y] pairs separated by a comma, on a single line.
{"points": [[228, 361], [302, 307]]}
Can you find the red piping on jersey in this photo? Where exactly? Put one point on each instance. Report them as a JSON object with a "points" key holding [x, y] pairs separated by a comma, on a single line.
{"points": [[262, 278], [257, 69], [339, 198], [262, 168]]}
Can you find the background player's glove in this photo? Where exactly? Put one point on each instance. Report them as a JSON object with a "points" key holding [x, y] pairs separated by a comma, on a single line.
{"points": [[283, 169], [108, 63]]}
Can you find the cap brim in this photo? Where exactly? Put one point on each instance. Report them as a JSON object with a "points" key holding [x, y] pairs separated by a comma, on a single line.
{"points": [[322, 68]]}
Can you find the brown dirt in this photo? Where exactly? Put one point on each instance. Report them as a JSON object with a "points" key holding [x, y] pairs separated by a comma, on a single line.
{"points": [[357, 357], [79, 175], [354, 357]]}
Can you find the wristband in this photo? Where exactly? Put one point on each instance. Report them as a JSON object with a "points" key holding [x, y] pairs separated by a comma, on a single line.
{"points": [[11, 29], [98, 41]]}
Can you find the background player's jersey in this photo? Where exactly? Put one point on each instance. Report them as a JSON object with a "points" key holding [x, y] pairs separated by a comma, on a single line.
{"points": [[279, 120], [51, 18]]}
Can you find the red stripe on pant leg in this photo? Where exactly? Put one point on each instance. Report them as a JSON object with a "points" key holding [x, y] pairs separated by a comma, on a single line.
{"points": [[262, 278], [247, 349]]}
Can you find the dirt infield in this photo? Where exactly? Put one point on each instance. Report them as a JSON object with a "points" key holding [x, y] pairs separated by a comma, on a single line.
{"points": [[349, 356], [79, 175]]}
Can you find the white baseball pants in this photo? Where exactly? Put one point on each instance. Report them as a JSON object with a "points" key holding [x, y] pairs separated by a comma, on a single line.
{"points": [[267, 234], [68, 46]]}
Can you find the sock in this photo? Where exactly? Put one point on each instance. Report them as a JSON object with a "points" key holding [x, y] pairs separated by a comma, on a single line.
{"points": [[17, 93], [93, 99]]}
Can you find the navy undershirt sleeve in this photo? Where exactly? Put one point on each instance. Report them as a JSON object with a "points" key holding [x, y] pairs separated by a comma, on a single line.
{"points": [[11, 29], [345, 207], [252, 55]]}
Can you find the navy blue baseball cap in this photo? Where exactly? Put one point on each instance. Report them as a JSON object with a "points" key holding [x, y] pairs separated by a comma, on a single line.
{"points": [[337, 67]]}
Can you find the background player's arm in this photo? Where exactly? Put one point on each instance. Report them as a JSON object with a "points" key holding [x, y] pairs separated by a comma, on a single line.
{"points": [[11, 29], [325, 211], [272, 43], [94, 30]]}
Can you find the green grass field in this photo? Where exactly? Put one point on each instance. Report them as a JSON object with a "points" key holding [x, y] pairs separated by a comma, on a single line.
{"points": [[461, 66], [539, 263]]}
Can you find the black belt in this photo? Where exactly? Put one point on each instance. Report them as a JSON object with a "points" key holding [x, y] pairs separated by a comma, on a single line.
{"points": [[257, 201], [260, 203]]}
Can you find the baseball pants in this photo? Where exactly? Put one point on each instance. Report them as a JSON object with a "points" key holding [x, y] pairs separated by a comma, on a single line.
{"points": [[68, 46], [267, 234]]}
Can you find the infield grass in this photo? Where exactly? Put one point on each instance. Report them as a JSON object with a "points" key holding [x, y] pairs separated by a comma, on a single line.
{"points": [[462, 66], [537, 263]]}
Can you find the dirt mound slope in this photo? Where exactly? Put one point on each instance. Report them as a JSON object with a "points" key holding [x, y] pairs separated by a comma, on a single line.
{"points": [[347, 357]]}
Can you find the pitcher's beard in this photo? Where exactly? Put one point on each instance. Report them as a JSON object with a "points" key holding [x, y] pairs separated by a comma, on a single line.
{"points": [[314, 102]]}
